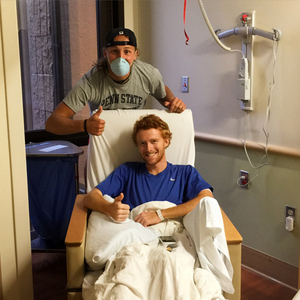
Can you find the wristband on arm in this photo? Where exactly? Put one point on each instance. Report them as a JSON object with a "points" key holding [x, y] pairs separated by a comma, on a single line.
{"points": [[160, 215]]}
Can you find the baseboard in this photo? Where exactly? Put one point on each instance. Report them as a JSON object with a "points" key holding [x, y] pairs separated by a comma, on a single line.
{"points": [[270, 267]]}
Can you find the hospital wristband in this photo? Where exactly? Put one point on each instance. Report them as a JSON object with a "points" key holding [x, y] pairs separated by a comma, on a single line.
{"points": [[160, 214]]}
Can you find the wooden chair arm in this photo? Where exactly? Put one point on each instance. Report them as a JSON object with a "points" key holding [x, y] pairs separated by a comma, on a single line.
{"points": [[77, 226], [234, 242], [231, 233]]}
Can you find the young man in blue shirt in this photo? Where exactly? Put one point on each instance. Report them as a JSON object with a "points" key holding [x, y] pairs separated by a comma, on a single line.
{"points": [[134, 183]]}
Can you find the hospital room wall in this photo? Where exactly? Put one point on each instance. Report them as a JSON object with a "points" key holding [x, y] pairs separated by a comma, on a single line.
{"points": [[258, 213]]}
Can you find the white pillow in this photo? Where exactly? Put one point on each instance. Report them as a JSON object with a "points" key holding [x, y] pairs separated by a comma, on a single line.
{"points": [[105, 237]]}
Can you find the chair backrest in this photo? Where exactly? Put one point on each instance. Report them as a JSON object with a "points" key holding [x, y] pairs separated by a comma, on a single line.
{"points": [[115, 146]]}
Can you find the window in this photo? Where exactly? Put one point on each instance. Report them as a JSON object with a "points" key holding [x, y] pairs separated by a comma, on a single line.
{"points": [[42, 50], [59, 42]]}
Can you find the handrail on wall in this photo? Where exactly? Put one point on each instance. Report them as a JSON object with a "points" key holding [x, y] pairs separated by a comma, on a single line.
{"points": [[204, 137]]}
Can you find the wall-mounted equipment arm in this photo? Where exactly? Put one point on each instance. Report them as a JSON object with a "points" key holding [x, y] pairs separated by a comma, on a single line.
{"points": [[245, 31]]}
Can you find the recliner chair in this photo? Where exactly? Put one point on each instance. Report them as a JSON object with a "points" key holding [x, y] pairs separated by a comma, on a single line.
{"points": [[108, 151]]}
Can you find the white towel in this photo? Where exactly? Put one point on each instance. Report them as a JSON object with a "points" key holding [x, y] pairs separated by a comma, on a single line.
{"points": [[206, 228]]}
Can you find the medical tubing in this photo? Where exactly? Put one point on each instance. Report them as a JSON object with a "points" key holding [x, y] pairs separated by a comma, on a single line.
{"points": [[210, 27]]}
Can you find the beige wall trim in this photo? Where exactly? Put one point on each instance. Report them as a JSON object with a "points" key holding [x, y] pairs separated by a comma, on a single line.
{"points": [[270, 267], [204, 137]]}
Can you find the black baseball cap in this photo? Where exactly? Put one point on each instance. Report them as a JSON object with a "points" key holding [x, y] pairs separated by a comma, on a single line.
{"points": [[121, 31]]}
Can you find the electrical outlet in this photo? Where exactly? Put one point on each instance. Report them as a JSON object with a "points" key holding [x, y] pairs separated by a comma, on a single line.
{"points": [[290, 211], [185, 84], [290, 218], [244, 179]]}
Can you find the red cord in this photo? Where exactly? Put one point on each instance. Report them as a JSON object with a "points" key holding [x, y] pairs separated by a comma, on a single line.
{"points": [[184, 13]]}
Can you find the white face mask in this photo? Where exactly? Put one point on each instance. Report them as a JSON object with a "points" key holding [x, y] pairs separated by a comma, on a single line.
{"points": [[120, 66]]}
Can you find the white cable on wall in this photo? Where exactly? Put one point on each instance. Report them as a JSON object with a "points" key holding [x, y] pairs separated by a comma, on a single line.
{"points": [[210, 27], [213, 32], [267, 119]]}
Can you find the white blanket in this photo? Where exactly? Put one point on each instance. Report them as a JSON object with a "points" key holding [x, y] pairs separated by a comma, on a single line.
{"points": [[206, 228], [150, 272]]}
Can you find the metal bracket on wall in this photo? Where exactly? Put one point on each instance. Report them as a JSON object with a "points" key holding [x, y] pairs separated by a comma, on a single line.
{"points": [[248, 31], [248, 20]]}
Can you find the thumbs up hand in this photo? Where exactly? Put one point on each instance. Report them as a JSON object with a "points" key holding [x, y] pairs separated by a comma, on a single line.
{"points": [[119, 211], [95, 125], [175, 105]]}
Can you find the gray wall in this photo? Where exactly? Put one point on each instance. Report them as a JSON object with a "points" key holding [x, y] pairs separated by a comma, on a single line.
{"points": [[259, 212]]}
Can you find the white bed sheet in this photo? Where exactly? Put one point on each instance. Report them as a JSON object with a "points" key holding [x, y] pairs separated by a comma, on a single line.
{"points": [[206, 228], [148, 271]]}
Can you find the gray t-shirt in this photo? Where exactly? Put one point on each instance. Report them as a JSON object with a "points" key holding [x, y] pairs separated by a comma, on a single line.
{"points": [[97, 88]]}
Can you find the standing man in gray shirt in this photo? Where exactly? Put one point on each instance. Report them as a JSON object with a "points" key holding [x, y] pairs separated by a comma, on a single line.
{"points": [[117, 81]]}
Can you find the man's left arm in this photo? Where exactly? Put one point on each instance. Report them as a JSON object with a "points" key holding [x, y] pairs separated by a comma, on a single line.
{"points": [[171, 102], [151, 218]]}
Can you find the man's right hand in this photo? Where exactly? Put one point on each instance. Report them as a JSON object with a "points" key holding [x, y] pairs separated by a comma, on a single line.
{"points": [[95, 125], [119, 211]]}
